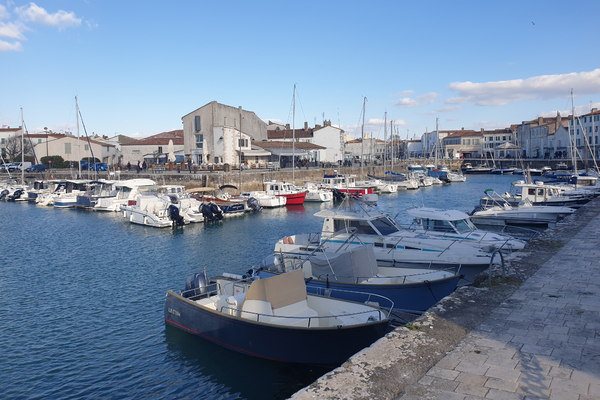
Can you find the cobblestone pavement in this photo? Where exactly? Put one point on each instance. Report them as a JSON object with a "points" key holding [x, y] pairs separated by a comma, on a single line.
{"points": [[542, 342]]}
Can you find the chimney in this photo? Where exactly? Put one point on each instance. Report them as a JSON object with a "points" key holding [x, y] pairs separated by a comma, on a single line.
{"points": [[287, 127], [481, 130], [317, 126], [540, 121], [306, 126], [558, 119], [594, 110]]}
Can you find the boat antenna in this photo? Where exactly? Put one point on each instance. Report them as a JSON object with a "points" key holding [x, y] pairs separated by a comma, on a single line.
{"points": [[22, 149]]}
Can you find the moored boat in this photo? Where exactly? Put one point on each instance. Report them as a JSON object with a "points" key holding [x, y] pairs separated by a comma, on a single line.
{"points": [[275, 318], [356, 271]]}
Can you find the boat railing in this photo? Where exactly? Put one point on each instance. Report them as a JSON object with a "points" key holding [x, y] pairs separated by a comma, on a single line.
{"points": [[399, 279]]}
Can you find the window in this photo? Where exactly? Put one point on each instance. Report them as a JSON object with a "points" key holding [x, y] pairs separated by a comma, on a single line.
{"points": [[578, 141], [39, 140], [2, 141], [503, 137], [197, 123], [385, 226], [86, 147], [596, 129], [199, 141], [584, 119], [67, 148], [160, 149], [467, 141], [475, 141]]}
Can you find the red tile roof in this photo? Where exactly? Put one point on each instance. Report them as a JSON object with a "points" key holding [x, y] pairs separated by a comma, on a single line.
{"points": [[160, 139], [288, 145], [288, 134]]}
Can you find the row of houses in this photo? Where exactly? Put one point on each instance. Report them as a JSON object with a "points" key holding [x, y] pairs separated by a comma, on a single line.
{"points": [[212, 134], [543, 137], [219, 134]]}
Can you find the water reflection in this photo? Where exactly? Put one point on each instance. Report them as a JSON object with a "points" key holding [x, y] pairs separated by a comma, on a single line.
{"points": [[240, 374]]}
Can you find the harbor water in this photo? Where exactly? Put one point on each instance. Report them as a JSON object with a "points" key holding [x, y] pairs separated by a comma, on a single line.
{"points": [[82, 294]]}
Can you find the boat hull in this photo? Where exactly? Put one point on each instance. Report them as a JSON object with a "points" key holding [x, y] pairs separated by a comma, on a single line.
{"points": [[419, 296], [293, 199], [325, 346]]}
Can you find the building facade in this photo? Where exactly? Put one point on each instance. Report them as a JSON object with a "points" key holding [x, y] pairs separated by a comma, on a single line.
{"points": [[199, 129]]}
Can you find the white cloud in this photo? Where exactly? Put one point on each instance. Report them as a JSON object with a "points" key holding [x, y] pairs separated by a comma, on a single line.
{"points": [[536, 88], [407, 102], [488, 125], [4, 14], [419, 101], [448, 109], [11, 30], [407, 93], [579, 110], [5, 46], [36, 14], [428, 98]]}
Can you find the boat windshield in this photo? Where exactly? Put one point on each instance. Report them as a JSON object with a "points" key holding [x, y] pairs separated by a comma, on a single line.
{"points": [[437, 225], [362, 227], [385, 226], [463, 225]]}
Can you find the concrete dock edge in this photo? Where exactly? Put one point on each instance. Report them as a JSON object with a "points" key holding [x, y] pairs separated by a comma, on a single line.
{"points": [[409, 362]]}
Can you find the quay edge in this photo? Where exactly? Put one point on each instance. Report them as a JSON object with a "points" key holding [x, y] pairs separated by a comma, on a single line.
{"points": [[392, 367]]}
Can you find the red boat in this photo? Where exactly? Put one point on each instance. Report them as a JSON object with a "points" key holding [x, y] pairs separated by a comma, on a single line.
{"points": [[283, 189]]}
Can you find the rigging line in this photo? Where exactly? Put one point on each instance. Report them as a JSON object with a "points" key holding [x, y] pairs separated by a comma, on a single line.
{"points": [[298, 97], [88, 140]]}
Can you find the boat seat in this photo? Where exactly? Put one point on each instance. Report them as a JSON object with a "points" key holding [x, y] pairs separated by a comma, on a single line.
{"points": [[251, 309], [213, 302], [300, 314], [235, 302]]}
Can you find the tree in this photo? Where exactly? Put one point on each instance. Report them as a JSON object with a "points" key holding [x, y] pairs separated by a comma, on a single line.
{"points": [[14, 144]]}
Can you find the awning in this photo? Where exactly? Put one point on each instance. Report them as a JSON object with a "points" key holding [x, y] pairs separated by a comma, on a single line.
{"points": [[256, 153], [288, 152]]}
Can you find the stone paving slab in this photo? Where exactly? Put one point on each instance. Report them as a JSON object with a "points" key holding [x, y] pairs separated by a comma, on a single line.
{"points": [[534, 338]]}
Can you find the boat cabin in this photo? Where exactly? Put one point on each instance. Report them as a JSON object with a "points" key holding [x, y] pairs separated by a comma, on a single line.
{"points": [[338, 181], [444, 221], [379, 224]]}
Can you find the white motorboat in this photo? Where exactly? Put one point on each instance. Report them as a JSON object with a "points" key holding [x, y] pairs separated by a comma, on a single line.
{"points": [[265, 200], [316, 194], [539, 194], [343, 184], [379, 185], [73, 188], [360, 224], [124, 193], [456, 176], [454, 224], [160, 210], [500, 212]]}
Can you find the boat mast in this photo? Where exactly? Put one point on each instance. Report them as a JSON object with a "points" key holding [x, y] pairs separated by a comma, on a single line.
{"points": [[362, 141], [78, 146], [437, 141], [294, 137], [392, 140], [572, 137], [240, 155], [384, 141], [22, 149]]}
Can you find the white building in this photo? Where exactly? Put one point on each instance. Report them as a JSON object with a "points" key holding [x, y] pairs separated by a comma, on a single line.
{"points": [[328, 137], [153, 149], [5, 133], [199, 129]]}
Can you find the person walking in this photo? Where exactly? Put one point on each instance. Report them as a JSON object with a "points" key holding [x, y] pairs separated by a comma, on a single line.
{"points": [[128, 166]]}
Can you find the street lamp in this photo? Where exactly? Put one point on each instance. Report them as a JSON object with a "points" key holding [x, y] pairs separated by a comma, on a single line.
{"points": [[46, 130]]}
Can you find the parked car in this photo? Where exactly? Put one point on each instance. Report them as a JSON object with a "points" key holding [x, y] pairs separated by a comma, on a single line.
{"points": [[4, 167], [99, 167], [16, 166], [36, 168]]}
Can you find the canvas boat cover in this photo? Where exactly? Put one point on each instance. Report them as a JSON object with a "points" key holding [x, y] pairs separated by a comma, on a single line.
{"points": [[347, 266]]}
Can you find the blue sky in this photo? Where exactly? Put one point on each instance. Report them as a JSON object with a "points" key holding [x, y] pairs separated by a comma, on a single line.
{"points": [[138, 67]]}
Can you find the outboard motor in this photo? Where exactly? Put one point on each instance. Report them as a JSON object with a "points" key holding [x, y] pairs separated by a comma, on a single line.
{"points": [[206, 213], [216, 211], [3, 194], [337, 195], [195, 285], [175, 216], [253, 204], [17, 194]]}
